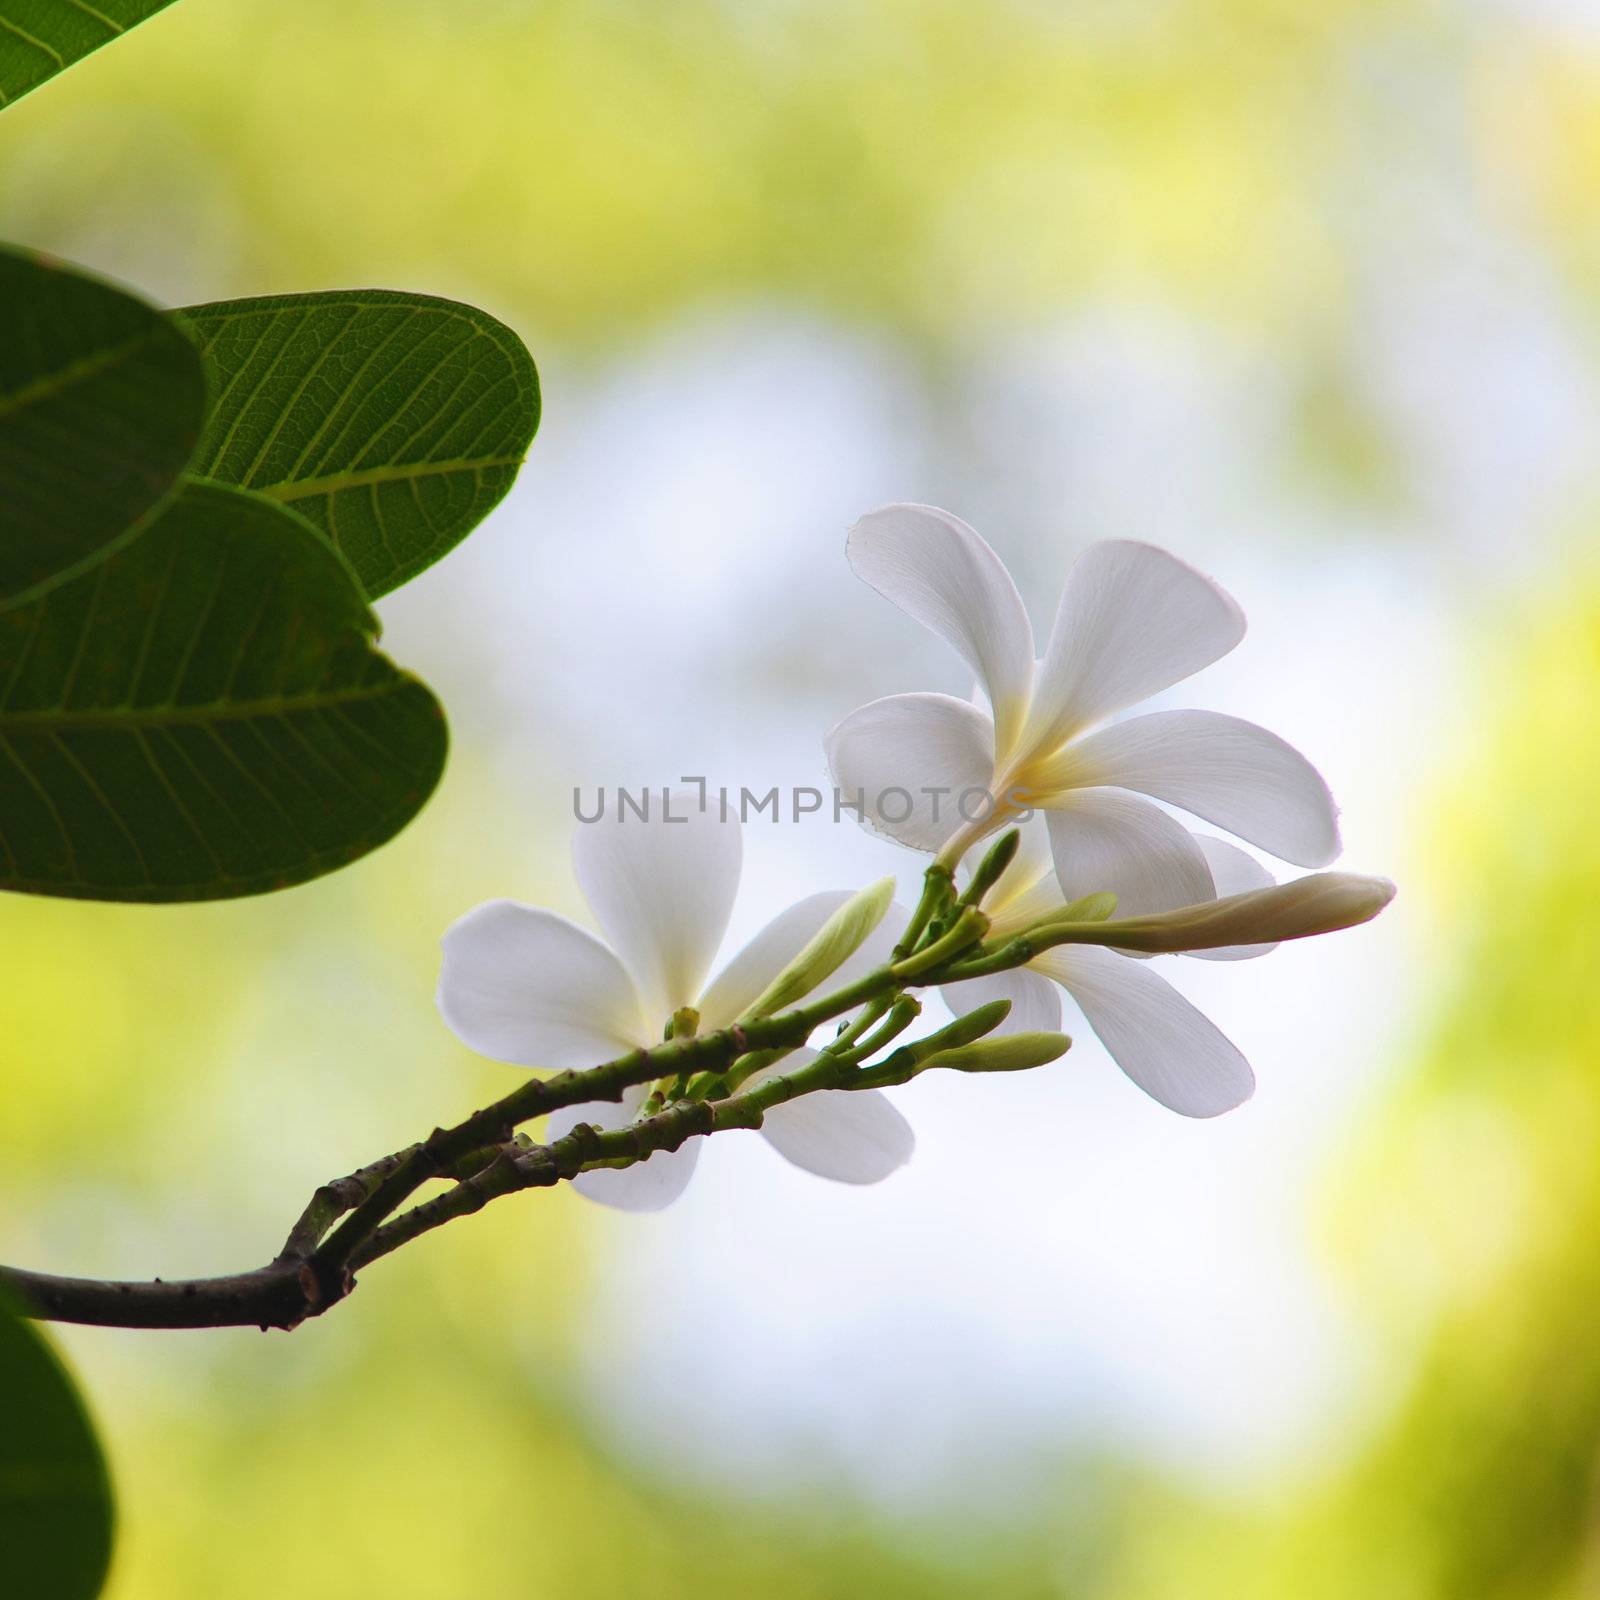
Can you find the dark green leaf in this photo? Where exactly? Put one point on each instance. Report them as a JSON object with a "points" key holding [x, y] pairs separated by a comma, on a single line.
{"points": [[55, 1495], [101, 402], [394, 422], [39, 38], [203, 715]]}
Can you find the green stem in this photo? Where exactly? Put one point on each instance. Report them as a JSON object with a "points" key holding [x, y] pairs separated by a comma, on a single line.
{"points": [[968, 928], [331, 1263], [901, 1015], [906, 1062], [864, 1019], [586, 1148], [937, 889], [1019, 951], [347, 1222]]}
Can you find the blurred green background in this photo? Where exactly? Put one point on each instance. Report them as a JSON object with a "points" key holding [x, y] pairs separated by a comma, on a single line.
{"points": [[1307, 293]]}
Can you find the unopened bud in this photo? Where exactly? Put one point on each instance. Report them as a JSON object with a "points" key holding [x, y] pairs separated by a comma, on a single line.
{"points": [[833, 944], [1091, 908], [1000, 856], [906, 1062], [1011, 1052], [1320, 903], [971, 1025]]}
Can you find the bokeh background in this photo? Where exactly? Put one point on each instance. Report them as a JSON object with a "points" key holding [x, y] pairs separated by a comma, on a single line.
{"points": [[1307, 293]]}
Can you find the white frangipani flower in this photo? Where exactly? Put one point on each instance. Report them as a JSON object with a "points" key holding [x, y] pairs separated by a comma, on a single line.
{"points": [[1132, 621], [1171, 1050], [527, 986]]}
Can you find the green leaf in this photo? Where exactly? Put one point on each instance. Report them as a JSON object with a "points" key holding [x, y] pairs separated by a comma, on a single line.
{"points": [[101, 402], [203, 715], [55, 1494], [39, 38], [394, 422]]}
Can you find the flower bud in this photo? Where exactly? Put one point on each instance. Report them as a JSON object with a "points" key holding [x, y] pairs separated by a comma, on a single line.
{"points": [[1323, 902], [1011, 1052], [990, 870], [967, 1028], [905, 1063], [1091, 908], [831, 946]]}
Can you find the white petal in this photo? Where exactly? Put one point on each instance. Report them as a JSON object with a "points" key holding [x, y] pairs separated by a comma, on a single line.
{"points": [[851, 1136], [1228, 771], [754, 967], [662, 888], [922, 764], [1133, 621], [1035, 1001], [1109, 839], [524, 985], [938, 570], [1173, 1052], [648, 1185], [1233, 871]]}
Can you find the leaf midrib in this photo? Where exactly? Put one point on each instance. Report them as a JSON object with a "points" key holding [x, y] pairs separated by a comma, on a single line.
{"points": [[166, 716], [362, 477], [79, 371]]}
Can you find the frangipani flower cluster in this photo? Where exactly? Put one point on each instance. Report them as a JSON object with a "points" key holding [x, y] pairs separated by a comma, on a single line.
{"points": [[528, 986], [1133, 620], [1073, 898]]}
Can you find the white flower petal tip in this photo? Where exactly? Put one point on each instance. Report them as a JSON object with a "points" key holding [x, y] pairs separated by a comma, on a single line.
{"points": [[1133, 620], [524, 985], [849, 1136], [1175, 1053], [1204, 1109], [1231, 772], [942, 574]]}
